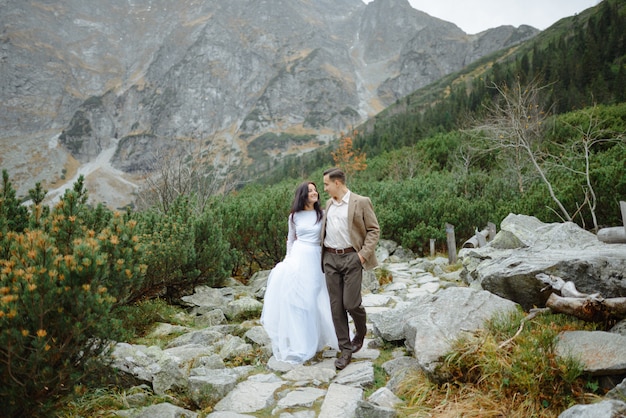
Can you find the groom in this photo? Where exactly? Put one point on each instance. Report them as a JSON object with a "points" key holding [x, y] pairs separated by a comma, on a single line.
{"points": [[349, 236]]}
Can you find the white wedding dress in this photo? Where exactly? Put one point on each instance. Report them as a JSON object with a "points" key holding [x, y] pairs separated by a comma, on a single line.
{"points": [[296, 309]]}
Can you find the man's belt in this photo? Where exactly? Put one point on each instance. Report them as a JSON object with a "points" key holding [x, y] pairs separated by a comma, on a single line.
{"points": [[340, 250]]}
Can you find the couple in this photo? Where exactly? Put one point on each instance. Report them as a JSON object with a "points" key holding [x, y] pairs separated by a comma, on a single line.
{"points": [[310, 293]]}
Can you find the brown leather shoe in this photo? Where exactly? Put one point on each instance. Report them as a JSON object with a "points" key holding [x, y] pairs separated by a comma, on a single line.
{"points": [[357, 343], [343, 360]]}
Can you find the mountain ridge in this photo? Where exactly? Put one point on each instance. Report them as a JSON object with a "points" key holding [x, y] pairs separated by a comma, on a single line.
{"points": [[208, 76]]}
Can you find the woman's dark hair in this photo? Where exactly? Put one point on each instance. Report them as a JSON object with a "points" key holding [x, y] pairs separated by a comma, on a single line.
{"points": [[301, 198]]}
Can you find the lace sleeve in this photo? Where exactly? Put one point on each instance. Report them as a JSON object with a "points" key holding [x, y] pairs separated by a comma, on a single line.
{"points": [[291, 236]]}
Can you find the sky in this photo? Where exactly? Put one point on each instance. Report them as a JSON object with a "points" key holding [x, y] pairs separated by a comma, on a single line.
{"points": [[474, 16]]}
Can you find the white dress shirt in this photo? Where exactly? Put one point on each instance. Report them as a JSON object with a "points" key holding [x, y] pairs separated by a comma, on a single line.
{"points": [[337, 232]]}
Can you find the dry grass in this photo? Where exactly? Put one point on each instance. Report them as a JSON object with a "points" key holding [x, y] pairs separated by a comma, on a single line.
{"points": [[383, 275], [523, 378]]}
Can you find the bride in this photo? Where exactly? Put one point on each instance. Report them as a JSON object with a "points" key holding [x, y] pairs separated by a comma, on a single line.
{"points": [[296, 308]]}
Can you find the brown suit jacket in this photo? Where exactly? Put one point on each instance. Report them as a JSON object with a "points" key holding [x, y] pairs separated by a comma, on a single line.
{"points": [[363, 225]]}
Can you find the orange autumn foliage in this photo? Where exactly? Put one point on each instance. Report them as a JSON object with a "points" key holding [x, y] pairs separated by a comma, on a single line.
{"points": [[347, 158]]}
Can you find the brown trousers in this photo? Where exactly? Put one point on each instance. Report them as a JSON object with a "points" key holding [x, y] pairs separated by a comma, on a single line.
{"points": [[344, 274]]}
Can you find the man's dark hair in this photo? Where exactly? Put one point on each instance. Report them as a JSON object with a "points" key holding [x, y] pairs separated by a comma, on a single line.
{"points": [[336, 173]]}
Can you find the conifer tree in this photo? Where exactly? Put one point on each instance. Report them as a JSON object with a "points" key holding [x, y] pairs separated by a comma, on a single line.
{"points": [[13, 216]]}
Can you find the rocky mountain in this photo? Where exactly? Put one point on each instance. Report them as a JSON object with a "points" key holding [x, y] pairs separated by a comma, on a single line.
{"points": [[108, 89]]}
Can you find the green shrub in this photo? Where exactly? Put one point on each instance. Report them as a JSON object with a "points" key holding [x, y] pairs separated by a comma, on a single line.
{"points": [[168, 239], [58, 285], [413, 211], [13, 216], [214, 256], [254, 222], [54, 318]]}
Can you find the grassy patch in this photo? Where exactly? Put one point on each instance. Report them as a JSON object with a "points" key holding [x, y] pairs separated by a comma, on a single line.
{"points": [[380, 376], [384, 275], [141, 318], [496, 373]]}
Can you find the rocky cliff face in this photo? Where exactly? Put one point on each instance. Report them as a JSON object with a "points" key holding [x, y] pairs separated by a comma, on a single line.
{"points": [[144, 77]]}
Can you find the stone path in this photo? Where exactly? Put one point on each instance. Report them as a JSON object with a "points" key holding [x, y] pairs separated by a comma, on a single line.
{"points": [[314, 389], [317, 389]]}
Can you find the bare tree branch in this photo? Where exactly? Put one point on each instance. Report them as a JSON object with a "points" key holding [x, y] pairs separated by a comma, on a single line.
{"points": [[194, 171], [515, 123], [590, 135]]}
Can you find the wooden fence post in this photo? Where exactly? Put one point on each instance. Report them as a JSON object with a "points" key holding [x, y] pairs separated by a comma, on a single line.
{"points": [[432, 247], [451, 243]]}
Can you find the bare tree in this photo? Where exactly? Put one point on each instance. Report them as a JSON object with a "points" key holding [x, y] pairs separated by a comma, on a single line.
{"points": [[590, 134], [515, 124], [474, 150], [193, 171]]}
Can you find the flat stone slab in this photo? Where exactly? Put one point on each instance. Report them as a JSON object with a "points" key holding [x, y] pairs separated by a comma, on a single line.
{"points": [[341, 401], [602, 353], [249, 396]]}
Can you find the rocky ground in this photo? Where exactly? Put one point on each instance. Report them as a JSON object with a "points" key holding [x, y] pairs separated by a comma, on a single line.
{"points": [[221, 362], [313, 389]]}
